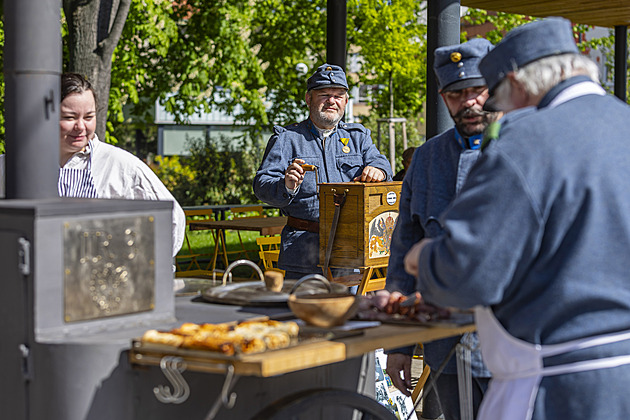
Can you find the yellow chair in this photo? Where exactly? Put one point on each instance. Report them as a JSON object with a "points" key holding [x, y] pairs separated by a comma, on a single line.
{"points": [[246, 211], [269, 251]]}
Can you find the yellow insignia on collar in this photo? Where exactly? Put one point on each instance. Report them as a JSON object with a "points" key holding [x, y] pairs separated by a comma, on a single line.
{"points": [[328, 68], [456, 56], [344, 140]]}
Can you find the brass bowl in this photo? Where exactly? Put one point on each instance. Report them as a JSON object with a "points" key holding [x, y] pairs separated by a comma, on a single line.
{"points": [[324, 310]]}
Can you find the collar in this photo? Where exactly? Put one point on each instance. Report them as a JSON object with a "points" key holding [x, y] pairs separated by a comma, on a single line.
{"points": [[556, 91], [473, 142], [319, 132]]}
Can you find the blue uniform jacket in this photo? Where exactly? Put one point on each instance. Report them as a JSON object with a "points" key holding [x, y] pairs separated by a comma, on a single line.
{"points": [[437, 172], [541, 233], [300, 249]]}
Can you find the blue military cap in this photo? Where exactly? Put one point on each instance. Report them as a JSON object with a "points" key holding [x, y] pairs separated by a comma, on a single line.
{"points": [[456, 65], [327, 76], [527, 43]]}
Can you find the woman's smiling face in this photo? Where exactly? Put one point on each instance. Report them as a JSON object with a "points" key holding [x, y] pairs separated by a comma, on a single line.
{"points": [[77, 123]]}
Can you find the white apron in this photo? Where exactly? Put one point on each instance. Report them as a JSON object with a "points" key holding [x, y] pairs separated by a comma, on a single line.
{"points": [[517, 366]]}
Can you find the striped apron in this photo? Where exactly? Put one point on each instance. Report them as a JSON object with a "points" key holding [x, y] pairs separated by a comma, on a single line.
{"points": [[77, 182]]}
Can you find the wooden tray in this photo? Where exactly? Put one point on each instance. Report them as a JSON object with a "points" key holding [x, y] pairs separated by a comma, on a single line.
{"points": [[311, 348]]}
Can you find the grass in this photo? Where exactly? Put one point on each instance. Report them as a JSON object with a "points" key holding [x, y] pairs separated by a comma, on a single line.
{"points": [[202, 242]]}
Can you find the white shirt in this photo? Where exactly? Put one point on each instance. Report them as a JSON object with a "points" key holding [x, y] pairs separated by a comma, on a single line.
{"points": [[119, 174]]}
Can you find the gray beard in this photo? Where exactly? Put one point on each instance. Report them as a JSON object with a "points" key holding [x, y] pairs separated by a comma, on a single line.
{"points": [[323, 121]]}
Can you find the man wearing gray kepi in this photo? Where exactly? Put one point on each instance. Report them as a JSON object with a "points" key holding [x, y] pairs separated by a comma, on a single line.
{"points": [[341, 152], [437, 172], [538, 239]]}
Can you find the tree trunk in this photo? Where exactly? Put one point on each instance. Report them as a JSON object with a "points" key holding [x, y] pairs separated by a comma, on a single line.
{"points": [[94, 29]]}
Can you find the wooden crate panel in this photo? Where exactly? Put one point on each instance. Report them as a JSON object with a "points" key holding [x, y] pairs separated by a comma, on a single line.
{"points": [[365, 225]]}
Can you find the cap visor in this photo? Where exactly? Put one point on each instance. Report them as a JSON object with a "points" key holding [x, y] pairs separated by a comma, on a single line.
{"points": [[463, 84], [328, 86]]}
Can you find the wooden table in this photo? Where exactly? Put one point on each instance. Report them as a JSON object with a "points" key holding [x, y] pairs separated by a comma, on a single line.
{"points": [[265, 379], [220, 210], [302, 356], [263, 225]]}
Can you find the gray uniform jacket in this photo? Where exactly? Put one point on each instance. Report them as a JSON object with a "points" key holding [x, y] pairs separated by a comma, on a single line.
{"points": [[437, 172], [300, 249], [541, 233]]}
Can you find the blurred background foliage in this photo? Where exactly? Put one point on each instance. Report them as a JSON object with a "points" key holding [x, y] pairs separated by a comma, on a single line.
{"points": [[240, 56]]}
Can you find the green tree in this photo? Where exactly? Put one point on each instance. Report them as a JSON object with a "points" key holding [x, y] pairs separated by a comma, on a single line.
{"points": [[215, 172], [93, 31], [190, 57], [284, 34], [391, 42]]}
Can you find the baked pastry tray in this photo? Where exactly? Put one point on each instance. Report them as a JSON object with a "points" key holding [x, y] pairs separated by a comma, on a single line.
{"points": [[309, 349]]}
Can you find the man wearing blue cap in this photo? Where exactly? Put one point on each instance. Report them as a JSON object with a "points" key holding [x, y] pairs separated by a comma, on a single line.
{"points": [[437, 172], [538, 239], [340, 151]]}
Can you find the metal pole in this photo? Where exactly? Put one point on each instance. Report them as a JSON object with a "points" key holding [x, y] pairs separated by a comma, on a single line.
{"points": [[442, 29], [392, 145], [336, 32], [32, 68], [404, 134], [621, 62]]}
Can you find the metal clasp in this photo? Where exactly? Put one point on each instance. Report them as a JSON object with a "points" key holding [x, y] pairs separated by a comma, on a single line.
{"points": [[24, 256]]}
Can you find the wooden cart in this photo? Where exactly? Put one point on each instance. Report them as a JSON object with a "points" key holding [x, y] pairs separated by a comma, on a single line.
{"points": [[361, 236]]}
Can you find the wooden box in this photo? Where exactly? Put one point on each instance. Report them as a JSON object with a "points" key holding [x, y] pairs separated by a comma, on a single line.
{"points": [[365, 226]]}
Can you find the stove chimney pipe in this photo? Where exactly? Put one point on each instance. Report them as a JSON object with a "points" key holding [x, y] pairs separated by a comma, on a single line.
{"points": [[32, 69]]}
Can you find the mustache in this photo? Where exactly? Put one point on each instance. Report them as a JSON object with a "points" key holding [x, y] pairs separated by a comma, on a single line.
{"points": [[470, 112]]}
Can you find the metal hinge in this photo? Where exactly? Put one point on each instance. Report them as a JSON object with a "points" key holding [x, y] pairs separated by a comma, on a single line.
{"points": [[24, 255], [27, 371]]}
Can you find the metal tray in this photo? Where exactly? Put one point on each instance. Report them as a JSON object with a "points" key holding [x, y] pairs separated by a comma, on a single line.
{"points": [[457, 319], [255, 293]]}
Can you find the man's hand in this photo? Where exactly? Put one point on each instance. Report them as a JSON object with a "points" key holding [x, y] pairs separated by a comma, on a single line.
{"points": [[294, 175], [412, 257], [371, 174], [397, 363]]}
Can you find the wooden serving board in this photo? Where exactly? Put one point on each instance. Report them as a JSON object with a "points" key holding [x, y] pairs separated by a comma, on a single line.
{"points": [[310, 353]]}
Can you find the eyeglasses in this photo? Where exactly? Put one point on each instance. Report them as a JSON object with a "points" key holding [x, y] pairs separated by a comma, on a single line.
{"points": [[465, 94]]}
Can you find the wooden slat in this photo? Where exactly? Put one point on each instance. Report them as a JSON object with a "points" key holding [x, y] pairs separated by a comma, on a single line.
{"points": [[606, 13]]}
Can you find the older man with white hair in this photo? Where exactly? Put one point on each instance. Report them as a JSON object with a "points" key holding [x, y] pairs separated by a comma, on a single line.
{"points": [[538, 238]]}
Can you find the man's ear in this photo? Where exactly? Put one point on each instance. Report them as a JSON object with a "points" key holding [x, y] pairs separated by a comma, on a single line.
{"points": [[307, 98]]}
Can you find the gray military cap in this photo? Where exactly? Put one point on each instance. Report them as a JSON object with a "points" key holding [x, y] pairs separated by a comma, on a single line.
{"points": [[527, 43], [327, 76], [456, 66]]}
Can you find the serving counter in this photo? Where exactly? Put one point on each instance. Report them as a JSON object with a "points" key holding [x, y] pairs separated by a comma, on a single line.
{"points": [[332, 360]]}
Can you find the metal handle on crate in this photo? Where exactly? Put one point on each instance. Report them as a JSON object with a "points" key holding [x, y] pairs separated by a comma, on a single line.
{"points": [[172, 367], [308, 167]]}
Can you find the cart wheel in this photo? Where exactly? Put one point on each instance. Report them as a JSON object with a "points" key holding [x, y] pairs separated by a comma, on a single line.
{"points": [[292, 406]]}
